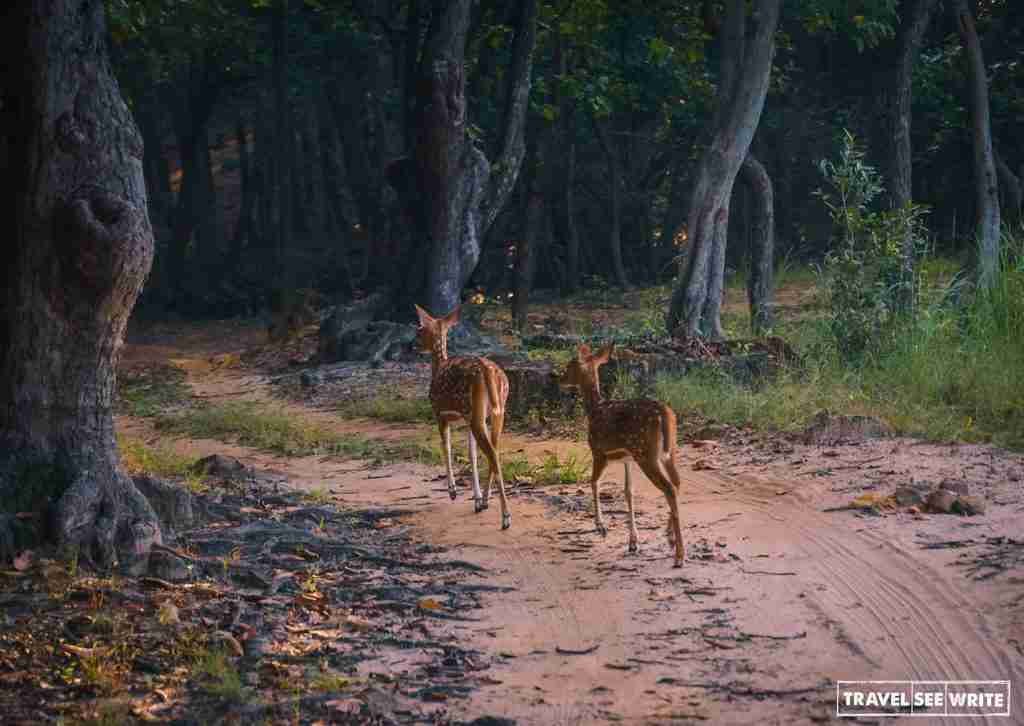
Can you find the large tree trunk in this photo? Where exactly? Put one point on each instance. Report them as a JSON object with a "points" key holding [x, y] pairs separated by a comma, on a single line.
{"points": [[893, 83], [80, 246], [697, 297], [459, 192], [986, 184], [762, 243]]}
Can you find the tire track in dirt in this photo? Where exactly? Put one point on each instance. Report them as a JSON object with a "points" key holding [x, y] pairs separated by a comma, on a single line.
{"points": [[919, 608]]}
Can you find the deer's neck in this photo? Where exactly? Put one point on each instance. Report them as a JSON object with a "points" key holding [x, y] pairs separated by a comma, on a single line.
{"points": [[592, 397], [438, 355]]}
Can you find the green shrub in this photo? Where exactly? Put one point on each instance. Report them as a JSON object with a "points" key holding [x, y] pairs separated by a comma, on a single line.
{"points": [[868, 278]]}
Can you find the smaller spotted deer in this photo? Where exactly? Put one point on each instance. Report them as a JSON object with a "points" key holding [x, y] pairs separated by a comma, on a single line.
{"points": [[640, 428], [470, 388]]}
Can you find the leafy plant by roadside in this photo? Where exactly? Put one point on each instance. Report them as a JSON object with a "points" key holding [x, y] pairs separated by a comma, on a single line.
{"points": [[869, 271]]}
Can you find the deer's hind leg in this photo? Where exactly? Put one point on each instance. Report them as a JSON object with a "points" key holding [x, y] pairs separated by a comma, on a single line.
{"points": [[668, 465], [634, 544], [650, 466], [496, 428], [600, 462], [446, 440], [478, 424], [479, 500]]}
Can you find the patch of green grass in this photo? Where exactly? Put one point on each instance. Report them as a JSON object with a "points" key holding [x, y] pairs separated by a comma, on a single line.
{"points": [[110, 713], [516, 467], [556, 356], [159, 461], [263, 427], [392, 410], [329, 682], [317, 496], [554, 470], [152, 391], [218, 676]]}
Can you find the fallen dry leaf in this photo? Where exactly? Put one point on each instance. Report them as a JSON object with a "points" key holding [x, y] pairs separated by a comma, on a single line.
{"points": [[80, 652], [703, 465], [357, 623], [23, 560], [312, 601], [167, 613], [345, 706], [428, 603]]}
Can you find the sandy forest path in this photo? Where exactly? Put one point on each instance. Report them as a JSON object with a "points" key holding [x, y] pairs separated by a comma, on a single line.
{"points": [[779, 598]]}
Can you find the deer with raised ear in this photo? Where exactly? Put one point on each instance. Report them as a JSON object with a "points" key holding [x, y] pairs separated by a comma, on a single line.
{"points": [[641, 429], [470, 388]]}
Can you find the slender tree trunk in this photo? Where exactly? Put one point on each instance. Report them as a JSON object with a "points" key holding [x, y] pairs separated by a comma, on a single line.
{"points": [[1009, 185], [158, 183], [762, 243], [244, 223], [986, 184], [526, 258], [283, 141], [675, 219], [79, 248], [564, 209], [572, 234], [615, 211], [696, 300], [338, 227]]}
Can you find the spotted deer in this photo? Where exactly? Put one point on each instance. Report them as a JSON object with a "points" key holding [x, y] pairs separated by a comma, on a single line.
{"points": [[641, 429], [470, 388]]}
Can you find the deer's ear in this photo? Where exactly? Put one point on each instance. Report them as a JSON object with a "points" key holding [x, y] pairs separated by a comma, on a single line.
{"points": [[452, 319], [423, 315], [583, 352], [604, 354]]}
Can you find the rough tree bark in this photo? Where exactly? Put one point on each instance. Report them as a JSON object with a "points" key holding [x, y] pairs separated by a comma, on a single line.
{"points": [[746, 69], [79, 248], [459, 191], [893, 97], [986, 184], [762, 243]]}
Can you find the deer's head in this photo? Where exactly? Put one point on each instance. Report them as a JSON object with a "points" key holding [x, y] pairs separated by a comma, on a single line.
{"points": [[581, 372], [432, 333]]}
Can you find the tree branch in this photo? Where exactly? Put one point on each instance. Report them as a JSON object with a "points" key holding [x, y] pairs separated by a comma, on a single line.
{"points": [[513, 148]]}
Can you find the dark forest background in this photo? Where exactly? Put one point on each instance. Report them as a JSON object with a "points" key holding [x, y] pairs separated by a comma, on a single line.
{"points": [[282, 137]]}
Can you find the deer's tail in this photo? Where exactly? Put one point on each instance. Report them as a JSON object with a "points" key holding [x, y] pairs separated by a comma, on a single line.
{"points": [[668, 429]]}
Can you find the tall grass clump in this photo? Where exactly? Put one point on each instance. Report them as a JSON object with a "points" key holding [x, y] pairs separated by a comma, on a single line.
{"points": [[958, 369]]}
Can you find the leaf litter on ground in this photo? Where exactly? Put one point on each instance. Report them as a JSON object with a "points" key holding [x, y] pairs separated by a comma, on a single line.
{"points": [[283, 608]]}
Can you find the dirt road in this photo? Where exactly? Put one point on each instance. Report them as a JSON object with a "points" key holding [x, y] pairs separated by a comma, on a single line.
{"points": [[779, 598]]}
